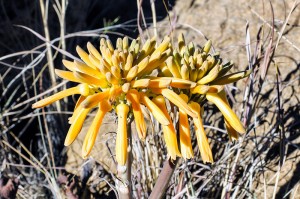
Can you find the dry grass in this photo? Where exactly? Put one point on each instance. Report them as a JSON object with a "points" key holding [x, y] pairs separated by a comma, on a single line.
{"points": [[263, 163]]}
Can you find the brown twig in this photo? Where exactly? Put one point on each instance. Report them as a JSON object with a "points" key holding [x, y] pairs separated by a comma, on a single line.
{"points": [[163, 180]]}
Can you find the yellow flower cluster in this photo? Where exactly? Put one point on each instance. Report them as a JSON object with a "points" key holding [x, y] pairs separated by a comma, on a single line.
{"points": [[210, 75], [121, 78]]}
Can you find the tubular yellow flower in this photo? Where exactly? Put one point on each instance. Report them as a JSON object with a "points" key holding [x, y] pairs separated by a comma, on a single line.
{"points": [[112, 76], [76, 125], [90, 138], [203, 144], [134, 97], [227, 112], [184, 133], [67, 75], [155, 110], [82, 89], [227, 79], [121, 140], [175, 82], [92, 100], [232, 133], [175, 99], [101, 82], [83, 68], [168, 130]]}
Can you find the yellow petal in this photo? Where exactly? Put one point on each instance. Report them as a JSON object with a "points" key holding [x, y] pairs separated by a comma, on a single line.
{"points": [[184, 71], [94, 60], [141, 83], [106, 54], [85, 57], [165, 72], [193, 75], [181, 42], [184, 133], [207, 47], [134, 97], [173, 67], [103, 68], [202, 70], [101, 82], [143, 64], [202, 140], [69, 65], [232, 133], [159, 83], [121, 140], [125, 43], [93, 51], [92, 100], [227, 112], [181, 83], [110, 45], [75, 111], [81, 67], [82, 89], [67, 75], [163, 46], [154, 109], [155, 63], [125, 87], [115, 59], [176, 100], [114, 92], [129, 62], [200, 89], [203, 89], [147, 49], [177, 82], [116, 72], [76, 125], [212, 75], [169, 130], [91, 135], [132, 73], [227, 79]]}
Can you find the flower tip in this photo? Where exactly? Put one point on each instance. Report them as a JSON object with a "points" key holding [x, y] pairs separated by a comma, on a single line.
{"points": [[85, 154], [67, 142], [35, 105]]}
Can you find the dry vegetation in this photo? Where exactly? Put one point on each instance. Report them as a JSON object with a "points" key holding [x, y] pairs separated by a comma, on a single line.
{"points": [[258, 35]]}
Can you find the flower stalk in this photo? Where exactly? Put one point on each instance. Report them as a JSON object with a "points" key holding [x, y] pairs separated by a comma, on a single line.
{"points": [[164, 178]]}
